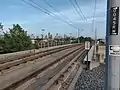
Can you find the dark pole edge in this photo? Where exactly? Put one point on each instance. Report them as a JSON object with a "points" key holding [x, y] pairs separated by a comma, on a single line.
{"points": [[107, 45]]}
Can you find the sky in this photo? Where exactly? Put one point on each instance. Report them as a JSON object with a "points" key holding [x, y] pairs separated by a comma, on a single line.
{"points": [[33, 20]]}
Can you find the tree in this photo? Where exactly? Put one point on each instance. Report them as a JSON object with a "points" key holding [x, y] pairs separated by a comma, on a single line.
{"points": [[88, 39], [17, 39], [83, 39]]}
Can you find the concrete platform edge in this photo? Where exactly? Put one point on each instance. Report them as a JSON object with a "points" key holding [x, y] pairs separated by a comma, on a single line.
{"points": [[94, 64], [72, 85]]}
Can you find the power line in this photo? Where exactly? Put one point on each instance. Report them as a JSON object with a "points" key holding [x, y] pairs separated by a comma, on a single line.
{"points": [[35, 7], [75, 8], [44, 10], [81, 16], [57, 10], [53, 14], [80, 10]]}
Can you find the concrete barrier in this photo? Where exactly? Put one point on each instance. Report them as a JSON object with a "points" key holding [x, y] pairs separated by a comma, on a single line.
{"points": [[21, 54], [101, 54], [90, 54], [94, 64]]}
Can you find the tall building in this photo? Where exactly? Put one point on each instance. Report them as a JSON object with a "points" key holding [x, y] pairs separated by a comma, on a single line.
{"points": [[49, 35], [46, 37], [42, 36], [65, 36]]}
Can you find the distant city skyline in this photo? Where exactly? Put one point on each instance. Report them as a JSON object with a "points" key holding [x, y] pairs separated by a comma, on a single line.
{"points": [[18, 12]]}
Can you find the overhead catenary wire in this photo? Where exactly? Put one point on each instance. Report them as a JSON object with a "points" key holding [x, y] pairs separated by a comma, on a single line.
{"points": [[80, 10], [53, 14], [79, 13], [76, 9], [57, 11], [44, 10], [36, 7]]}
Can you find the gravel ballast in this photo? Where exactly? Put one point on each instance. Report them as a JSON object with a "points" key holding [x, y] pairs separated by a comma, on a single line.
{"points": [[91, 79]]}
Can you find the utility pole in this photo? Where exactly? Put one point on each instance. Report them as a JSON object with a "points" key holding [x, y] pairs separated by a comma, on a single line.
{"points": [[95, 43], [43, 37], [70, 37], [64, 39], [113, 46], [78, 35]]}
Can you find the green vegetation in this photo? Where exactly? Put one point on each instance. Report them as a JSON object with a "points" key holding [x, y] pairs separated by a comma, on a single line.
{"points": [[83, 39], [15, 40]]}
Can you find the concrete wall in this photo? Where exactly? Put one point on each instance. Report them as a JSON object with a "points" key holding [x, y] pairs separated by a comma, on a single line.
{"points": [[17, 55], [101, 53]]}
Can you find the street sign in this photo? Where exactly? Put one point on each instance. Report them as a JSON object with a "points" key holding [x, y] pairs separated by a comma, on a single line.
{"points": [[114, 20], [114, 50], [87, 45]]}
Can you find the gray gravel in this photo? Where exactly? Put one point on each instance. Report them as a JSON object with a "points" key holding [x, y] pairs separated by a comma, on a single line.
{"points": [[91, 79]]}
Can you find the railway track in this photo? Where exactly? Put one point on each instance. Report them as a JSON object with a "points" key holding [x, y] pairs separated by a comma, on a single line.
{"points": [[65, 83], [50, 75], [11, 63], [15, 82], [42, 52], [63, 79]]}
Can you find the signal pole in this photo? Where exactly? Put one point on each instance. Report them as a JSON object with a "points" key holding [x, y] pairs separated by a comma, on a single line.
{"points": [[113, 46]]}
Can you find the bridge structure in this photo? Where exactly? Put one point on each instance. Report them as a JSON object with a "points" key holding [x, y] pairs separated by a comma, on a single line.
{"points": [[53, 68]]}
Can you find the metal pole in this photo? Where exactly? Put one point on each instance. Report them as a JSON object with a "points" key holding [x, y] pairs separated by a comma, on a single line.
{"points": [[95, 44], [70, 37], [43, 36], [87, 60], [113, 51], [78, 35]]}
